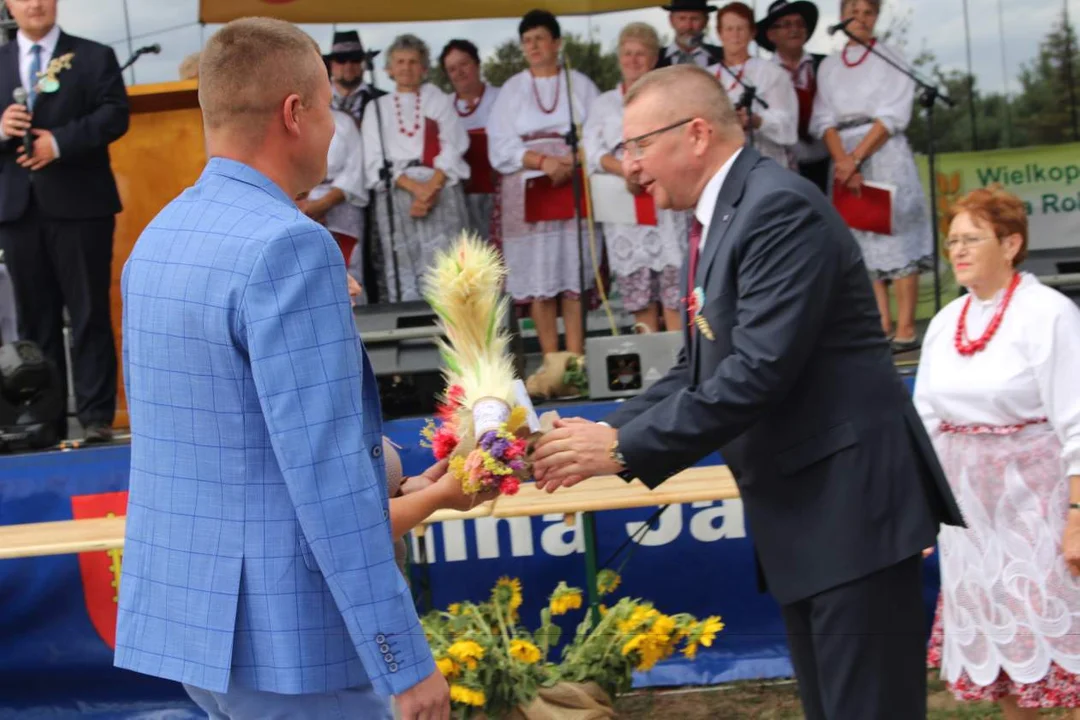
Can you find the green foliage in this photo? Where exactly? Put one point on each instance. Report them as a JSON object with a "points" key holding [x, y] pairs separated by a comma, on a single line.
{"points": [[584, 55]]}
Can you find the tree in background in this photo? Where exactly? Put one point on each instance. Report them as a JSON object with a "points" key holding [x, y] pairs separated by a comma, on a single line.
{"points": [[585, 56], [1045, 109]]}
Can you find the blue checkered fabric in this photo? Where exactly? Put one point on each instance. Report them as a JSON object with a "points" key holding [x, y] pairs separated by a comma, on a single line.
{"points": [[258, 547]]}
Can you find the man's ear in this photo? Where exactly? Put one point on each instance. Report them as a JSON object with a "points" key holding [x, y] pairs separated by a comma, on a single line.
{"points": [[290, 113]]}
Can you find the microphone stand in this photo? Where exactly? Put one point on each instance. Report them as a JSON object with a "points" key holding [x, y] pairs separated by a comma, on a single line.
{"points": [[131, 60], [749, 96], [386, 175], [928, 97], [575, 179]]}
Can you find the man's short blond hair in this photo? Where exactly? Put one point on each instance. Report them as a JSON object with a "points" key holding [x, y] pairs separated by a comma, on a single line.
{"points": [[250, 66], [687, 91]]}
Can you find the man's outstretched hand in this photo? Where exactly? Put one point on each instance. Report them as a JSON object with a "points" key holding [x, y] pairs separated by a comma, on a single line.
{"points": [[575, 450]]}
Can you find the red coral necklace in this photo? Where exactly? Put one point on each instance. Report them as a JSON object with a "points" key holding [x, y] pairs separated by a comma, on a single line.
{"points": [[967, 347]]}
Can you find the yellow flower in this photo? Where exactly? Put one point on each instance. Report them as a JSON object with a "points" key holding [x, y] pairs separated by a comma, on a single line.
{"points": [[454, 608], [607, 581], [517, 418], [702, 633], [603, 609], [641, 615], [524, 651], [466, 652], [448, 667], [709, 627], [564, 599], [467, 696], [654, 643], [507, 591]]}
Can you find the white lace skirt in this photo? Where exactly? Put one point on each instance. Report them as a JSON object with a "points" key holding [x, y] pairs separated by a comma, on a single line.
{"points": [[1008, 600], [542, 258], [909, 249]]}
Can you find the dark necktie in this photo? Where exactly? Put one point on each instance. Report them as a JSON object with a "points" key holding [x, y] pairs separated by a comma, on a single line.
{"points": [[35, 68], [695, 250]]}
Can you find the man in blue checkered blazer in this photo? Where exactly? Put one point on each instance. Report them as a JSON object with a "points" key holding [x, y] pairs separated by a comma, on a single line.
{"points": [[259, 567]]}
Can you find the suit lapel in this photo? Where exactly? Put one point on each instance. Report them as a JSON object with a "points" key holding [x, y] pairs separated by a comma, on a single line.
{"points": [[64, 44], [10, 54], [723, 215]]}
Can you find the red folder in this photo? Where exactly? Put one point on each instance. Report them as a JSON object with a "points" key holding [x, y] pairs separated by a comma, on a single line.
{"points": [[432, 147], [481, 175], [645, 209], [870, 211], [544, 203]]}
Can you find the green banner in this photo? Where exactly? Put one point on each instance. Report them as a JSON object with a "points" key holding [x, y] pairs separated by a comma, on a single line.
{"points": [[1046, 178]]}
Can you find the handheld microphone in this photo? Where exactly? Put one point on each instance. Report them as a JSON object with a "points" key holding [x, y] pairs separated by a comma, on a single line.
{"points": [[842, 25], [20, 96], [696, 40]]}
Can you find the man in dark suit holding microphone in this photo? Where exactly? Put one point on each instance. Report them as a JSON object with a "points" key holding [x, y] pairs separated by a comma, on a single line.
{"points": [[58, 198], [787, 373]]}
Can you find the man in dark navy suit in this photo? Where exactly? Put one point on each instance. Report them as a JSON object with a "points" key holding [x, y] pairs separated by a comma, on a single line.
{"points": [[58, 198], [787, 373]]}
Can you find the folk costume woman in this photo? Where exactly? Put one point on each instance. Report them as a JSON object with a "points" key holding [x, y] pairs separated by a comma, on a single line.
{"points": [[338, 201], [473, 99], [425, 143], [526, 142], [645, 258], [999, 392], [774, 129], [862, 107]]}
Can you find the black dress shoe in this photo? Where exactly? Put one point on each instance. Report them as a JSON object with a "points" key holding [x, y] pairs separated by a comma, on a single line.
{"points": [[98, 433]]}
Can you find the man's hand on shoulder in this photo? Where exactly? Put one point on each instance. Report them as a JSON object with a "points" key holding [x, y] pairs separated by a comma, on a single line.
{"points": [[429, 699], [44, 151]]}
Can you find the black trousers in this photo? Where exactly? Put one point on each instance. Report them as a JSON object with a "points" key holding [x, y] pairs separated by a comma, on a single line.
{"points": [[67, 263], [818, 173], [859, 650]]}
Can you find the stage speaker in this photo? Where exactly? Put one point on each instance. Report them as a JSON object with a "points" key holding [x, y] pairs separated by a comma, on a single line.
{"points": [[400, 340], [31, 403], [626, 365]]}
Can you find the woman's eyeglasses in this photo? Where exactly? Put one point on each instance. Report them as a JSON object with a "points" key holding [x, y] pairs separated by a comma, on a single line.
{"points": [[633, 146], [965, 241]]}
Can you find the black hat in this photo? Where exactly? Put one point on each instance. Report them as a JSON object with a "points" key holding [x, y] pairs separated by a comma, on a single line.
{"points": [[346, 46], [689, 5], [782, 8]]}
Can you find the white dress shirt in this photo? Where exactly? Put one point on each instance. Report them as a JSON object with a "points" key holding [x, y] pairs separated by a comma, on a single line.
{"points": [[707, 202]]}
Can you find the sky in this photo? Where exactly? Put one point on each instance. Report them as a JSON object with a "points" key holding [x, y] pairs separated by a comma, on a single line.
{"points": [[937, 25]]}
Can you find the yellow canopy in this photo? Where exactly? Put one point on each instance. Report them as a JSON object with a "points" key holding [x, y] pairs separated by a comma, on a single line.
{"points": [[372, 11]]}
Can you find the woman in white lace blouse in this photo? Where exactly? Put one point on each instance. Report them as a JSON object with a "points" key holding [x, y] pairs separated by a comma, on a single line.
{"points": [[645, 254], [999, 390]]}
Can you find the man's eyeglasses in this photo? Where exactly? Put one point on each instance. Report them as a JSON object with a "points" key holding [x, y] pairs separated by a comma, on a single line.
{"points": [[633, 146]]}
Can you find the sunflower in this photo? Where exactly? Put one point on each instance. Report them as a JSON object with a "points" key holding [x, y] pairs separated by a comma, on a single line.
{"points": [[507, 591], [564, 599], [467, 696], [524, 651], [607, 581], [448, 667], [466, 652], [702, 633]]}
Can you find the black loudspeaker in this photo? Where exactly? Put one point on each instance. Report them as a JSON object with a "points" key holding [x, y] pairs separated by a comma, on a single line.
{"points": [[31, 401], [400, 340]]}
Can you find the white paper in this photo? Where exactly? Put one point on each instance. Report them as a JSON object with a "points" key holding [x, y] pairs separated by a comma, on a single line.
{"points": [[521, 395], [611, 201]]}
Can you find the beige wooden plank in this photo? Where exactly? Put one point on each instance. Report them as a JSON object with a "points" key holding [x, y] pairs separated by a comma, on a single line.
{"points": [[714, 482], [61, 537]]}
